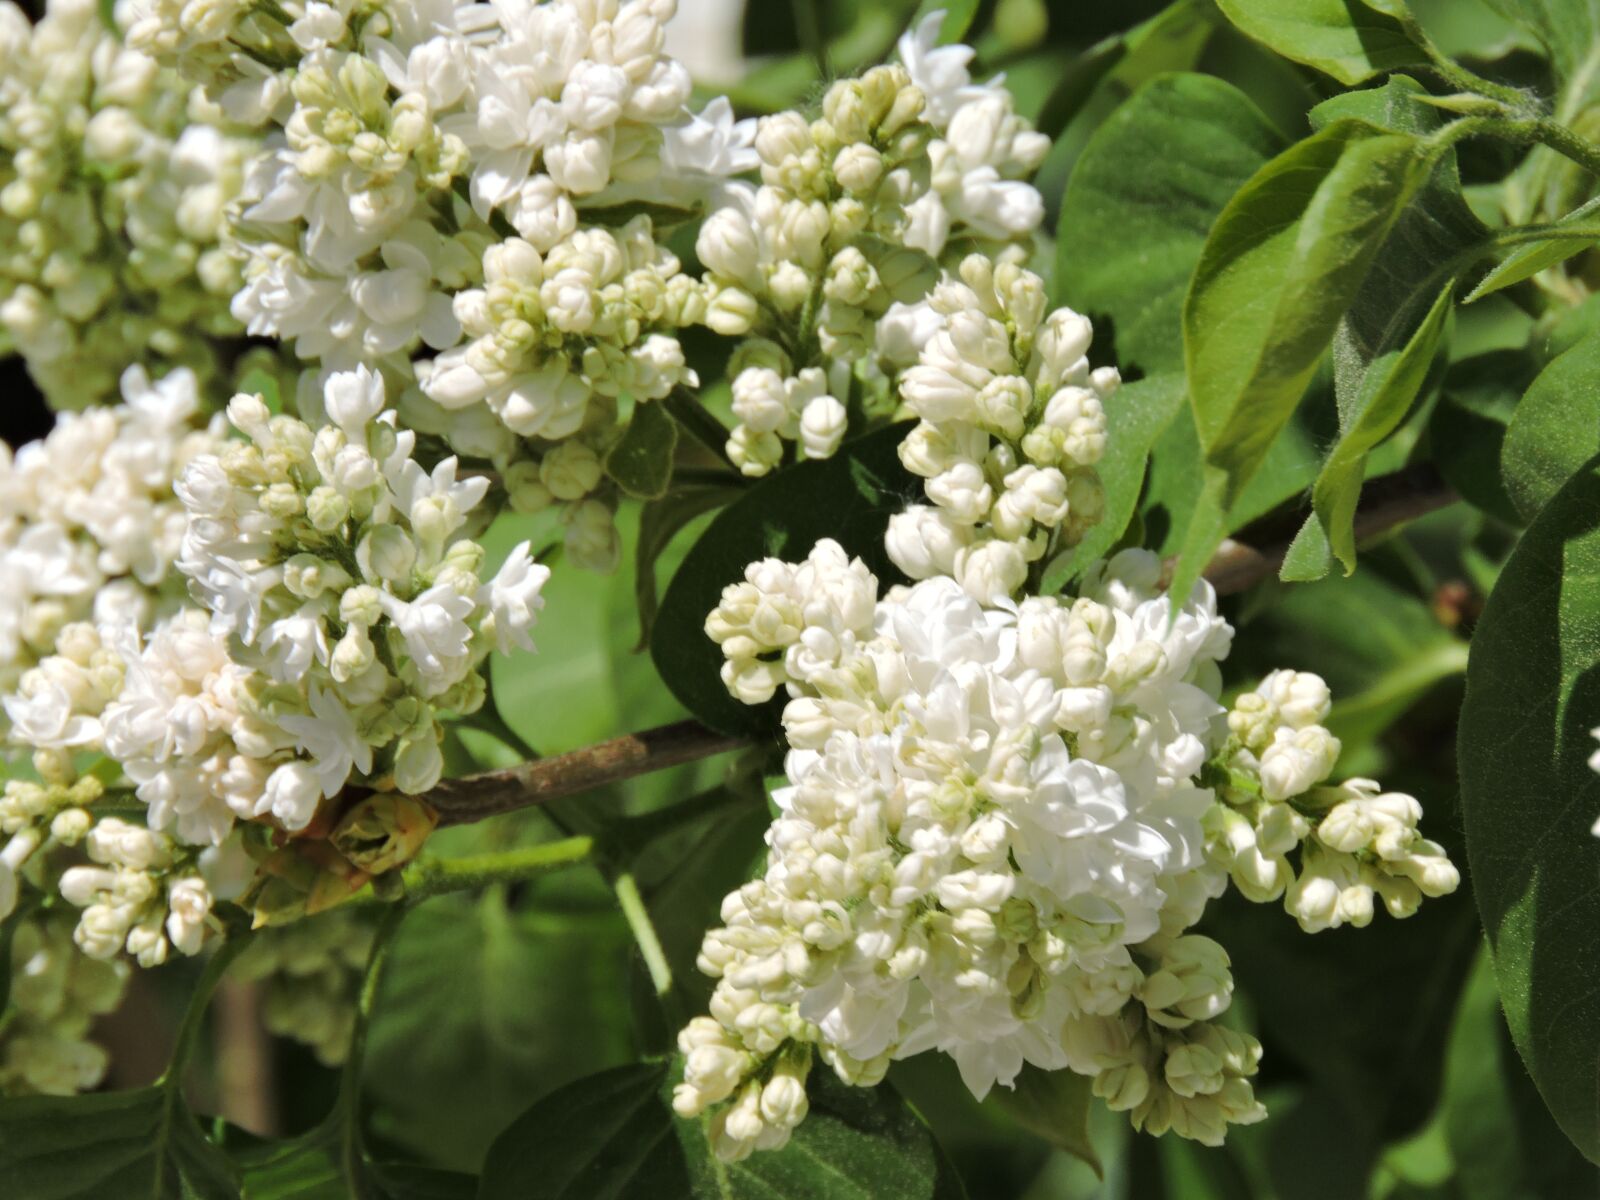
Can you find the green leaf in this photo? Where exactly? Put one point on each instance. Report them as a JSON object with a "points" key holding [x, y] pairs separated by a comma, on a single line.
{"points": [[1348, 39], [1467, 428], [1309, 557], [1096, 83], [1140, 202], [135, 1145], [1524, 262], [1569, 29], [1281, 267], [855, 1144], [1530, 799], [1136, 417], [603, 1137], [483, 1006], [1054, 1105], [1556, 428], [849, 497], [1390, 381], [660, 522], [641, 462]]}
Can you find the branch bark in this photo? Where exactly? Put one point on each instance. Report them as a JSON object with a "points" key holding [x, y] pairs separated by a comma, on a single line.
{"points": [[1386, 502]]}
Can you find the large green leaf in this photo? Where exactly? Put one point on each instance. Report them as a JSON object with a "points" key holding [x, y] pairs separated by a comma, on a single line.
{"points": [[1144, 195], [1280, 269], [603, 1137], [1098, 82], [1530, 798], [1556, 428], [484, 1006], [849, 497], [1348, 39], [1136, 417], [136, 1145]]}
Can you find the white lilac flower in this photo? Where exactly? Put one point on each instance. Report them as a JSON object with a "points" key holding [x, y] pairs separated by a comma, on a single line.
{"points": [[997, 830], [111, 210]]}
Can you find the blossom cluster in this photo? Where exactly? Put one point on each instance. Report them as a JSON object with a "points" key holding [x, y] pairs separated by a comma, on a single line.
{"points": [[997, 833], [823, 269], [89, 525], [310, 973], [1012, 424], [113, 189], [56, 993]]}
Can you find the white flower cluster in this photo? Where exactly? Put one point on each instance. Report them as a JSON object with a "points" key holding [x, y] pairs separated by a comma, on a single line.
{"points": [[56, 992], [822, 268], [1356, 842], [89, 527], [310, 973], [998, 829], [140, 894], [112, 194], [991, 845], [1012, 424]]}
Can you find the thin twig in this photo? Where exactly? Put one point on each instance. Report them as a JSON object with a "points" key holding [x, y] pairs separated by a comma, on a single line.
{"points": [[461, 801]]}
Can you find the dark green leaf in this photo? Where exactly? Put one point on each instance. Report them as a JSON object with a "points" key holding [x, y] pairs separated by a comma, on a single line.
{"points": [[1348, 39], [137, 1145], [1530, 799], [1468, 427], [1282, 265], [641, 462], [604, 1137], [304, 1168], [1054, 1105], [1140, 202], [1137, 415], [660, 522], [849, 497], [1526, 261], [1556, 428]]}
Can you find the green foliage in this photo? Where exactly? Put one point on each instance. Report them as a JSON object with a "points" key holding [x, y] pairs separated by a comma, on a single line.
{"points": [[111, 1146], [1352, 40], [849, 497], [1142, 198], [1054, 1105], [641, 462], [1529, 798], [1524, 262], [1555, 429]]}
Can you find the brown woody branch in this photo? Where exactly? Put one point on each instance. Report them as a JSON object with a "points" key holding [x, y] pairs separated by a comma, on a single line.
{"points": [[1386, 502]]}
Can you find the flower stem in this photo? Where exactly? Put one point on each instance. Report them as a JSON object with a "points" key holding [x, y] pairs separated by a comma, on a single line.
{"points": [[194, 1017], [644, 932], [350, 1154], [436, 876]]}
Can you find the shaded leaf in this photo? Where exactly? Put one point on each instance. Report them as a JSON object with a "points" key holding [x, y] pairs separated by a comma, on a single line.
{"points": [[1467, 428], [641, 462], [1555, 429], [133, 1145], [1054, 1105], [603, 1137], [1529, 798], [1348, 39], [849, 497], [1569, 30], [659, 523], [1144, 195]]}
